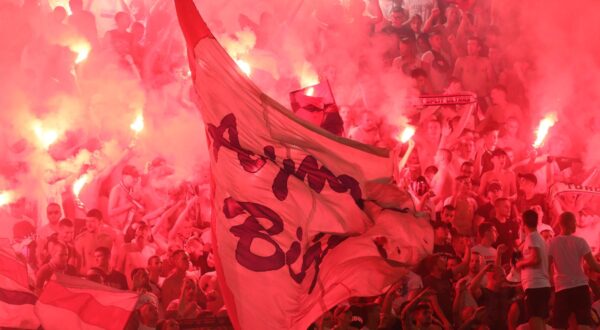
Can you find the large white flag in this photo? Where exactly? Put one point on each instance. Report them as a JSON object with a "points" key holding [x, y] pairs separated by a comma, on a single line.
{"points": [[292, 238]]}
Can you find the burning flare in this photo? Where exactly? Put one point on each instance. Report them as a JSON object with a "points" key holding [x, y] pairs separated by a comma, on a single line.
{"points": [[6, 197], [79, 183], [543, 129], [82, 48], [406, 134], [244, 66], [310, 91], [138, 124], [46, 137]]}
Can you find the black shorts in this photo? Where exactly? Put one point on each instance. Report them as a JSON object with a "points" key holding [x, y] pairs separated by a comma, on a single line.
{"points": [[536, 302], [572, 301]]}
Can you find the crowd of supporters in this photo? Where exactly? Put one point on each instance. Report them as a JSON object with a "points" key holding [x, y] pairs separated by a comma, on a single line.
{"points": [[506, 255]]}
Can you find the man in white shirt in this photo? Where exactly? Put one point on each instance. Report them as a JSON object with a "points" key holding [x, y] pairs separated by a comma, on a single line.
{"points": [[570, 282], [534, 272]]}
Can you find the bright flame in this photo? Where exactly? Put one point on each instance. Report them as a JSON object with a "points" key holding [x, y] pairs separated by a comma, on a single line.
{"points": [[82, 48], [79, 183], [543, 129], [138, 124], [244, 66], [6, 197], [309, 77], [406, 134], [45, 136], [310, 91]]}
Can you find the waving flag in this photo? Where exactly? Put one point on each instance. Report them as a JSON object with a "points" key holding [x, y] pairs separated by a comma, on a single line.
{"points": [[73, 303], [16, 300], [291, 234]]}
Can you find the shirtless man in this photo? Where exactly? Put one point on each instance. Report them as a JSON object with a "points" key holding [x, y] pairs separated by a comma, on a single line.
{"points": [[53, 213], [506, 178], [122, 206], [95, 235], [474, 71]]}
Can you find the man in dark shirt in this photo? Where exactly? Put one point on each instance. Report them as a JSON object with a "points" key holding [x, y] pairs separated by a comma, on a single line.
{"points": [[112, 277], [527, 197], [508, 228], [441, 238], [440, 279]]}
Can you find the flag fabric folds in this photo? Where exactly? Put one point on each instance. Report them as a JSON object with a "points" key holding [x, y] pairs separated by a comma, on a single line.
{"points": [[16, 300], [73, 303], [293, 229]]}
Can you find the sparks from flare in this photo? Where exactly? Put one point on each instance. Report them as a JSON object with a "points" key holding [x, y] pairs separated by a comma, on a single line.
{"points": [[6, 197], [545, 124], [407, 134], [46, 137], [82, 48], [79, 183], [138, 124], [244, 66]]}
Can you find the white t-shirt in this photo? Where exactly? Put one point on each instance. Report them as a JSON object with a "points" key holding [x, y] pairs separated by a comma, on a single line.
{"points": [[536, 276], [487, 253], [567, 253]]}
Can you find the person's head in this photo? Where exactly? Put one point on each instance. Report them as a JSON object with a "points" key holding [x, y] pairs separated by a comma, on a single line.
{"points": [[423, 314], [493, 191], [154, 264], [467, 169], [487, 231], [435, 40], [66, 230], [415, 23], [59, 14], [473, 46], [498, 95], [101, 257], [499, 159], [475, 263], [142, 232], [59, 253], [490, 138], [429, 172], [448, 213], [568, 223], [452, 14], [53, 213], [398, 16], [123, 20], [443, 157], [76, 5], [530, 220], [527, 182], [369, 121], [463, 184], [511, 127], [546, 231], [92, 220], [434, 129], [139, 279], [148, 314], [194, 247], [419, 76], [454, 85], [181, 260], [129, 175], [502, 207], [137, 31], [168, 324]]}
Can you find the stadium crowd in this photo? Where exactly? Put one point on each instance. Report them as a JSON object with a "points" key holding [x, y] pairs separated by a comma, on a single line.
{"points": [[507, 254]]}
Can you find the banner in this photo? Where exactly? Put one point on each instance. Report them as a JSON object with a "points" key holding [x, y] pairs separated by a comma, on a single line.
{"points": [[291, 234], [16, 300]]}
